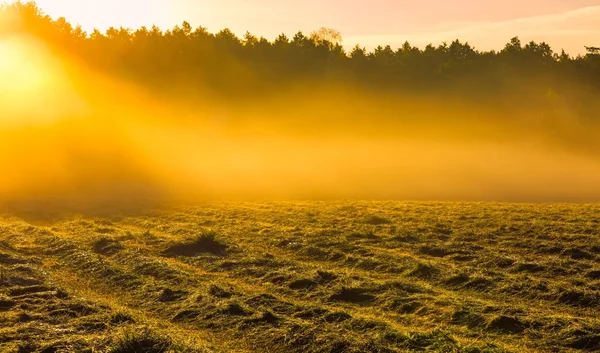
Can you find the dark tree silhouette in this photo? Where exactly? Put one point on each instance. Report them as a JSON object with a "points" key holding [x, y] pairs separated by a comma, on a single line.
{"points": [[184, 57]]}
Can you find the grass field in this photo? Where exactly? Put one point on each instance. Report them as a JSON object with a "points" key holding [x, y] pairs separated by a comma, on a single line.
{"points": [[305, 277]]}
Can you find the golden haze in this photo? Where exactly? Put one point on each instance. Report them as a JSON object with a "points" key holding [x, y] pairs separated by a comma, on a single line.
{"points": [[69, 133]]}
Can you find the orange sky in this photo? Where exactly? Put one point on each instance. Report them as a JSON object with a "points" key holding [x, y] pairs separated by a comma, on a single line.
{"points": [[568, 24]]}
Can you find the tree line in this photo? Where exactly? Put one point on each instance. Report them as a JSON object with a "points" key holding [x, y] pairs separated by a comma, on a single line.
{"points": [[224, 64]]}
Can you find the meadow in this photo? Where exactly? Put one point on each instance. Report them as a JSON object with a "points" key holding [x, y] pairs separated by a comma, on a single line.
{"points": [[160, 121], [343, 276]]}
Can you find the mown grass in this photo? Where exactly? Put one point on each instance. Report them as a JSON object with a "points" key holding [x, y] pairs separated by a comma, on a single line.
{"points": [[306, 277]]}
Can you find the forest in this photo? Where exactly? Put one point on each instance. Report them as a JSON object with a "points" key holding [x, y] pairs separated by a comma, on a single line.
{"points": [[184, 58]]}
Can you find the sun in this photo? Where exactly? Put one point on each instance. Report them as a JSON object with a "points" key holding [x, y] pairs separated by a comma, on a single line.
{"points": [[21, 73], [29, 82]]}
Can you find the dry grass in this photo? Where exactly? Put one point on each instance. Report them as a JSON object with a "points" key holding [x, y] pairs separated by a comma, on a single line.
{"points": [[305, 277]]}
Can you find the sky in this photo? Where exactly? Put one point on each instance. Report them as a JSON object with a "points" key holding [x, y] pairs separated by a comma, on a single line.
{"points": [[486, 24]]}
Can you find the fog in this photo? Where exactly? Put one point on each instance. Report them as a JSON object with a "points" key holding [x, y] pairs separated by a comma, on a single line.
{"points": [[75, 137]]}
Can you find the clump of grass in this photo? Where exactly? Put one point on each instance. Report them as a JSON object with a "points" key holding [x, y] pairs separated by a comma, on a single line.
{"points": [[234, 309], [587, 342], [169, 295], [424, 271], [377, 220], [205, 243], [144, 341], [506, 324], [434, 251], [106, 246], [121, 318], [219, 292], [352, 295], [303, 284]]}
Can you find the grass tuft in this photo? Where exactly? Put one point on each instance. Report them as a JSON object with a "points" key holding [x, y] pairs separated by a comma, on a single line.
{"points": [[144, 341], [206, 243]]}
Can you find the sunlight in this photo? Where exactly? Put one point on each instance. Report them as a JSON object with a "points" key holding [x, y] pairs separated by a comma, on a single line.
{"points": [[92, 14], [32, 84], [21, 74]]}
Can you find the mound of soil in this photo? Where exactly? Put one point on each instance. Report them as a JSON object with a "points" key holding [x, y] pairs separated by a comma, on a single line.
{"points": [[186, 315], [435, 251], [303, 284], [506, 324], [169, 295], [424, 271], [457, 280], [377, 220], [7, 259], [352, 295], [6, 304], [15, 292], [326, 277], [529, 267], [235, 309], [593, 275], [578, 254], [588, 342], [468, 318], [106, 246], [338, 316], [311, 313], [204, 244], [144, 341], [219, 292], [579, 298], [406, 305], [266, 318], [121, 318]]}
